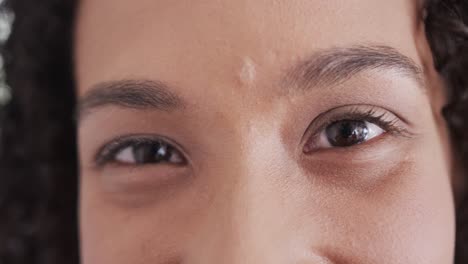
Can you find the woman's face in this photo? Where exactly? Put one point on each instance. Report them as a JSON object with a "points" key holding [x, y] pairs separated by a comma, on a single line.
{"points": [[260, 131]]}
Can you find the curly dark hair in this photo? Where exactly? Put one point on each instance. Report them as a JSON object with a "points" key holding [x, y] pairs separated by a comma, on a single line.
{"points": [[38, 153]]}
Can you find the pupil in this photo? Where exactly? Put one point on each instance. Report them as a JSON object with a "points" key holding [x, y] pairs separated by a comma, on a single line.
{"points": [[347, 133], [151, 153]]}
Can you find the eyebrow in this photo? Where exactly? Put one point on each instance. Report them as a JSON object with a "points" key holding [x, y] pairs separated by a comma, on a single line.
{"points": [[324, 68], [336, 65], [137, 94]]}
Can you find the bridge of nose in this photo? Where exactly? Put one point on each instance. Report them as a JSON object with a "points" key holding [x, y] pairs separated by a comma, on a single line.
{"points": [[257, 215]]}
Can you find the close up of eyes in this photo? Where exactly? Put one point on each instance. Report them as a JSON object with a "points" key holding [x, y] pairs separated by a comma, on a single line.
{"points": [[342, 127]]}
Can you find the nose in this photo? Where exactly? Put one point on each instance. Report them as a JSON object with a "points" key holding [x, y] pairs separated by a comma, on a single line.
{"points": [[258, 217]]}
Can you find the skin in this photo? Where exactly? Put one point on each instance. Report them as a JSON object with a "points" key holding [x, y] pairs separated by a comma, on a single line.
{"points": [[249, 193]]}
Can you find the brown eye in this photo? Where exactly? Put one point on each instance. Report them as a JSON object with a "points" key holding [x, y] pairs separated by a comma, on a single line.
{"points": [[347, 133], [149, 152]]}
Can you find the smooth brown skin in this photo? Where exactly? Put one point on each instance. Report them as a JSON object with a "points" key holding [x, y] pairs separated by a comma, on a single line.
{"points": [[249, 193]]}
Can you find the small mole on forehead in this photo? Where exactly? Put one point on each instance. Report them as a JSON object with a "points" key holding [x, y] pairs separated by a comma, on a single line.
{"points": [[248, 72]]}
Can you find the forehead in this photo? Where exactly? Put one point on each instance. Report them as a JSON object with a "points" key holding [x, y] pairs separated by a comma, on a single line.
{"points": [[213, 43]]}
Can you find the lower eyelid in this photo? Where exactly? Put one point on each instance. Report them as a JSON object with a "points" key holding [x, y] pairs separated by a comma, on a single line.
{"points": [[141, 185], [369, 150]]}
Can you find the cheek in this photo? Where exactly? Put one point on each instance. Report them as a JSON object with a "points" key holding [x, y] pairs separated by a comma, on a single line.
{"points": [[409, 219], [434, 192], [417, 220], [138, 232]]}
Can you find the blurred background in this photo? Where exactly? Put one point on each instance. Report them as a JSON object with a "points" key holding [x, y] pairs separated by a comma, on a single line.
{"points": [[5, 22]]}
